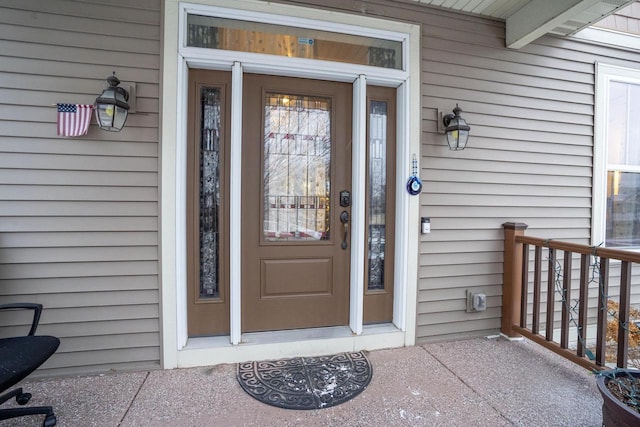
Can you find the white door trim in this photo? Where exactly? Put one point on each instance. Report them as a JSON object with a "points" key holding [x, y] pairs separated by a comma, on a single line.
{"points": [[173, 174], [358, 203], [235, 199]]}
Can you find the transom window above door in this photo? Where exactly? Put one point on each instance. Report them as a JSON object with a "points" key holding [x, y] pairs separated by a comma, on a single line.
{"points": [[257, 37]]}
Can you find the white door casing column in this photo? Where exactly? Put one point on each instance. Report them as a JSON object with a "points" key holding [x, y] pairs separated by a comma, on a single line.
{"points": [[235, 201], [358, 203]]}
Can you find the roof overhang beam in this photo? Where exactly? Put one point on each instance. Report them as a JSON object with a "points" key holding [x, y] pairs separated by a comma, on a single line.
{"points": [[538, 17]]}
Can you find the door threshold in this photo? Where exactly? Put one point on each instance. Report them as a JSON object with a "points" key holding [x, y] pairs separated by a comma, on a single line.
{"points": [[293, 335], [290, 343]]}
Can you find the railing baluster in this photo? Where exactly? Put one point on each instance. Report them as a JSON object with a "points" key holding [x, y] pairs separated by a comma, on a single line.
{"points": [[551, 282], [623, 314], [603, 292], [537, 279], [516, 277], [583, 305], [525, 285], [566, 298]]}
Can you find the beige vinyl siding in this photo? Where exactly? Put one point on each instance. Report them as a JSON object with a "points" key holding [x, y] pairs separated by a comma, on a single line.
{"points": [[79, 216], [529, 158]]}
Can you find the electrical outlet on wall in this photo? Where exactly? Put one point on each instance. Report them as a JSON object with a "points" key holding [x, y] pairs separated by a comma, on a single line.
{"points": [[476, 301]]}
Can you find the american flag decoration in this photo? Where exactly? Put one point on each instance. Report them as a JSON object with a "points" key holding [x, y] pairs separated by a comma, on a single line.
{"points": [[73, 119]]}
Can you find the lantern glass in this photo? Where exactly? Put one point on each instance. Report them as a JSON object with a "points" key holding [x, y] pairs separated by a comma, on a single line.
{"points": [[457, 138], [104, 114], [111, 117], [119, 117]]}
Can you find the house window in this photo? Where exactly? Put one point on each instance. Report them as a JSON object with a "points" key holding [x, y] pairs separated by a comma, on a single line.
{"points": [[617, 158]]}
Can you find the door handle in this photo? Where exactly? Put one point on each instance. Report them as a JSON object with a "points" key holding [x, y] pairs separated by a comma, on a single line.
{"points": [[344, 219]]}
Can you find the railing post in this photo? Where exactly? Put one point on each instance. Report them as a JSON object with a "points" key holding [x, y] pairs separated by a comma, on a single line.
{"points": [[512, 279]]}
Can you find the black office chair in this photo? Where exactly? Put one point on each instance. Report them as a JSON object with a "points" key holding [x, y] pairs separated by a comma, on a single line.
{"points": [[19, 356]]}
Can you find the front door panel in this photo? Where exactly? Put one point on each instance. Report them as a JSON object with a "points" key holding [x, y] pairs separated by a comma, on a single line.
{"points": [[296, 162]]}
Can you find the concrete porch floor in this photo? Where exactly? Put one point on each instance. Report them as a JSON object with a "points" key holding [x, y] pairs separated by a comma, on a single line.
{"points": [[476, 382]]}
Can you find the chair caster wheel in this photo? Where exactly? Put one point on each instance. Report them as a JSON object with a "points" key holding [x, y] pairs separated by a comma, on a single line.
{"points": [[49, 421], [23, 398]]}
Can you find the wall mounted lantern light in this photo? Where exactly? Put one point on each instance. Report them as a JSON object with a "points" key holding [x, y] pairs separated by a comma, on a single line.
{"points": [[457, 129], [112, 107]]}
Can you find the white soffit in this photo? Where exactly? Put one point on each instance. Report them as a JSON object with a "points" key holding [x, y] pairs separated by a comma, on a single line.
{"points": [[526, 20]]}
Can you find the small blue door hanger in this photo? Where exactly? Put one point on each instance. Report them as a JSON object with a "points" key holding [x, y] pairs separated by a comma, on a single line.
{"points": [[414, 185]]}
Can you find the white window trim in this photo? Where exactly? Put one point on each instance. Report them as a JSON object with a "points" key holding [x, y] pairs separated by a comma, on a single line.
{"points": [[605, 73], [176, 60]]}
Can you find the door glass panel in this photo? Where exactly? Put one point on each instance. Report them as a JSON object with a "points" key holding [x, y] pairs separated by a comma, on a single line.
{"points": [[209, 192], [297, 165], [377, 181]]}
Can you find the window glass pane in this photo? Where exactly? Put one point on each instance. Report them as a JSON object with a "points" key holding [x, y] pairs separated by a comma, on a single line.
{"points": [[297, 165], [209, 192], [377, 193], [623, 209], [229, 34], [623, 126]]}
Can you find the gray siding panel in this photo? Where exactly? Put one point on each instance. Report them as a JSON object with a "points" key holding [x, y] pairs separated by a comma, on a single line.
{"points": [[66, 285], [89, 178], [30, 66], [64, 53], [79, 216], [75, 224], [91, 41], [78, 269]]}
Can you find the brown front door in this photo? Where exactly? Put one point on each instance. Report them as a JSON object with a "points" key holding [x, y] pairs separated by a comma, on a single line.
{"points": [[295, 204]]}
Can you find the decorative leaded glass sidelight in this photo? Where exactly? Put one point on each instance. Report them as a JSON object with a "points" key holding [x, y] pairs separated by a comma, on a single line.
{"points": [[377, 200], [210, 192], [297, 164]]}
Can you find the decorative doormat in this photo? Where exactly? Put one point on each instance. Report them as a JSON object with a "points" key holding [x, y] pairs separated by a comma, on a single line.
{"points": [[306, 382]]}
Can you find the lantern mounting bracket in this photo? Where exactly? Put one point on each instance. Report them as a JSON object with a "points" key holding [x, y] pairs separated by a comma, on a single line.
{"points": [[130, 87], [446, 119]]}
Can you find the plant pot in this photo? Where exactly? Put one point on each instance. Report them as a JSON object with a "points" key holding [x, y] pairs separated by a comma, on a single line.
{"points": [[614, 411]]}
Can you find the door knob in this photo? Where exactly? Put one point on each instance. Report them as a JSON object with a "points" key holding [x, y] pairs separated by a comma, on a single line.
{"points": [[344, 219]]}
